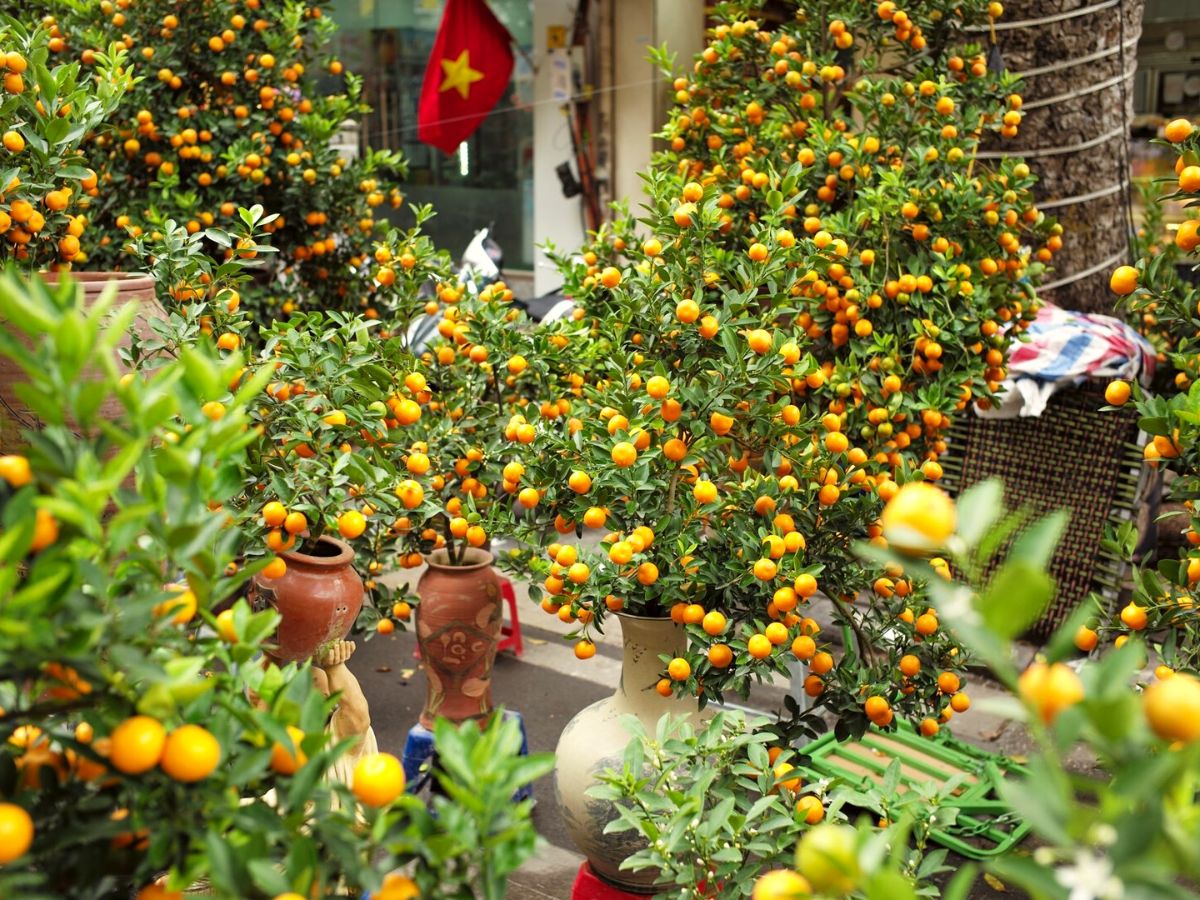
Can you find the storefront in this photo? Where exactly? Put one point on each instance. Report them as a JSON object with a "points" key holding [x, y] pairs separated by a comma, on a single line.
{"points": [[1168, 57], [489, 180], [583, 97]]}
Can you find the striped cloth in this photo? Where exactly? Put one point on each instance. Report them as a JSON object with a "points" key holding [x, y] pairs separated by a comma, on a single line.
{"points": [[1064, 349]]}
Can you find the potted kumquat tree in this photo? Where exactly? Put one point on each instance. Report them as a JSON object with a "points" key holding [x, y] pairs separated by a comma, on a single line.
{"points": [[320, 472], [330, 377], [318, 475], [825, 275], [485, 362], [140, 726], [46, 110], [1161, 610], [228, 114], [1111, 828]]}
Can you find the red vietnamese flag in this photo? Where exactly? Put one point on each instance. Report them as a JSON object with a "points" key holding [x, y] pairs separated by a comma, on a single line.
{"points": [[467, 74]]}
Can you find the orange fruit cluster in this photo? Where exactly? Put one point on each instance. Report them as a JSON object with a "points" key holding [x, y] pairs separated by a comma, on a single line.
{"points": [[229, 117]]}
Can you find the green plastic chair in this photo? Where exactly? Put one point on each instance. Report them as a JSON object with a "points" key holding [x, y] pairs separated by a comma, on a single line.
{"points": [[984, 826]]}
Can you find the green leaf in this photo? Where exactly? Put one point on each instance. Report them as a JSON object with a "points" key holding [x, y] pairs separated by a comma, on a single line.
{"points": [[26, 309], [716, 818], [200, 375], [70, 345], [889, 885], [1015, 597], [303, 783], [979, 506], [56, 130], [1037, 879], [960, 885], [891, 779], [1038, 800], [89, 399], [983, 643], [267, 878], [222, 870], [1157, 425], [1036, 544]]}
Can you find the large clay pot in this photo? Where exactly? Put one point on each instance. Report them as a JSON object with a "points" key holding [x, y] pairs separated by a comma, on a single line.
{"points": [[15, 416], [458, 627], [318, 597], [595, 740]]}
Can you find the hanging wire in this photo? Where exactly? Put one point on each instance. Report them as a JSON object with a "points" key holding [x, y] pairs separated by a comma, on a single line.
{"points": [[1079, 92], [1077, 61], [523, 107], [1107, 191], [1101, 266], [1035, 153], [1124, 157]]}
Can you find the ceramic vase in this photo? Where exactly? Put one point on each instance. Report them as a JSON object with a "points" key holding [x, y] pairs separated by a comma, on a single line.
{"points": [[318, 597], [458, 627], [595, 740], [15, 416]]}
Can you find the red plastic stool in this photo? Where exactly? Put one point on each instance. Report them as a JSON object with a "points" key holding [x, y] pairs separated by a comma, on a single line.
{"points": [[589, 886], [510, 634]]}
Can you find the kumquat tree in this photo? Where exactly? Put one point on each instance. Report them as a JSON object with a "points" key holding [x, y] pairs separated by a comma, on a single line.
{"points": [[147, 745], [773, 832], [485, 365], [1162, 609], [825, 275], [226, 113], [256, 427], [1167, 253], [47, 107], [1126, 827]]}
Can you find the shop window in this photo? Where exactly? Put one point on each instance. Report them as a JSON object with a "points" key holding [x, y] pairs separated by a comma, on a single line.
{"points": [[489, 180]]}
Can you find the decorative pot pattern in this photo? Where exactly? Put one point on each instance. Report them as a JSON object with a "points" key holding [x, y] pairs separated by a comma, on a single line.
{"points": [[595, 740], [319, 597], [14, 415], [458, 627]]}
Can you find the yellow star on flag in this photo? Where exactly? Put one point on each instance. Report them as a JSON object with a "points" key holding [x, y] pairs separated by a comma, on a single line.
{"points": [[459, 74]]}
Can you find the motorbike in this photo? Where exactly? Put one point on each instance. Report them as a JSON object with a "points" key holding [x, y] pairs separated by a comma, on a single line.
{"points": [[481, 264]]}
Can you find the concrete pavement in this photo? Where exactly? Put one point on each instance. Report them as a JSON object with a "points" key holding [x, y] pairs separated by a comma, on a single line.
{"points": [[548, 685]]}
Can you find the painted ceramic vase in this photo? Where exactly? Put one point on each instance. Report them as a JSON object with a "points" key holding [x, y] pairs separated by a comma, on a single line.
{"points": [[458, 627]]}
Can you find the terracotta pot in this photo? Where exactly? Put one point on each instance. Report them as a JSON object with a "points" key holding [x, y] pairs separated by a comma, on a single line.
{"points": [[458, 627], [15, 416], [595, 740], [319, 597]]}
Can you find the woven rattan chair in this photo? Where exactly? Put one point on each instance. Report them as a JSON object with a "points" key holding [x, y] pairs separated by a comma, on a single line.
{"points": [[1072, 456]]}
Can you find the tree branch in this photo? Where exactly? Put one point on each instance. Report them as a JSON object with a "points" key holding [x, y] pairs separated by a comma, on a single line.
{"points": [[865, 648]]}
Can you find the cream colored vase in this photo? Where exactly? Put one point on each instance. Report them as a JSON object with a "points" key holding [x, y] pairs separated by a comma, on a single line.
{"points": [[595, 740]]}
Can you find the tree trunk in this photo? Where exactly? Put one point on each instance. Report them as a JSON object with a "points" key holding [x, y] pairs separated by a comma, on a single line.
{"points": [[1086, 188]]}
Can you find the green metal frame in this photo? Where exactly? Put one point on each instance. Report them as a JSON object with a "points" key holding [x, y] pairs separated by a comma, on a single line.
{"points": [[982, 815]]}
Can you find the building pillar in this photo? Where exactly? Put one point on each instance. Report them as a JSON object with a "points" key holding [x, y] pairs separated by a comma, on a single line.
{"points": [[555, 218], [631, 108]]}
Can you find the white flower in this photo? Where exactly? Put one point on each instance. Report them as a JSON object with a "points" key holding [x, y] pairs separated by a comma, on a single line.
{"points": [[1091, 878]]}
